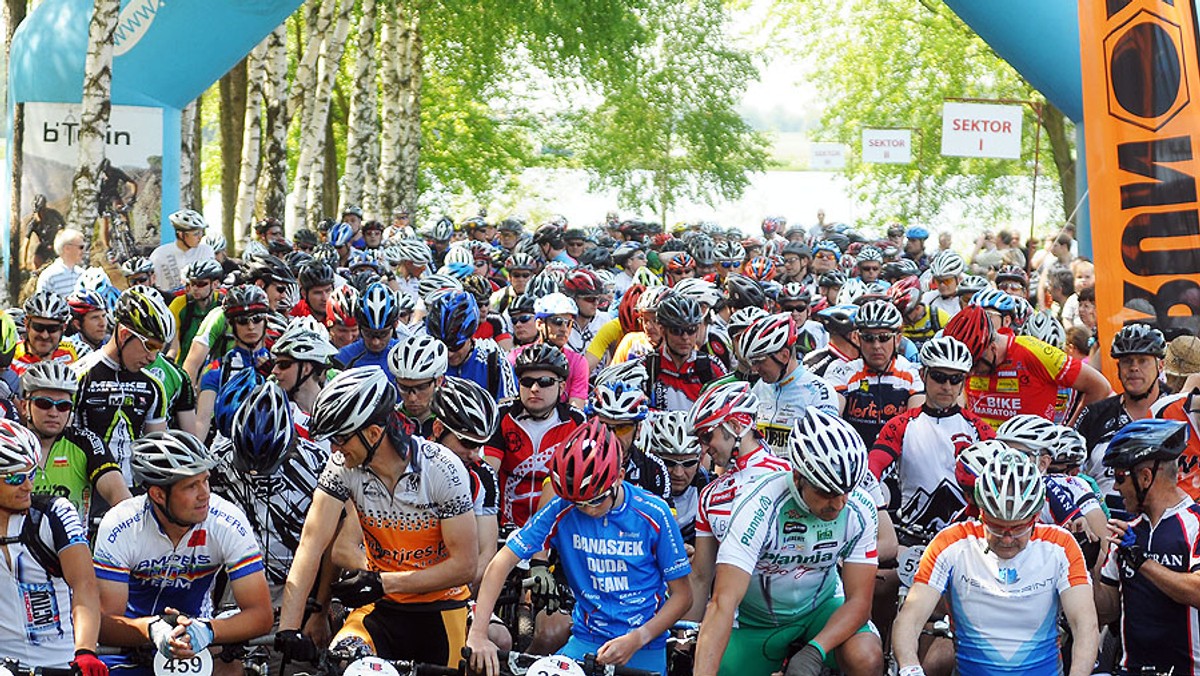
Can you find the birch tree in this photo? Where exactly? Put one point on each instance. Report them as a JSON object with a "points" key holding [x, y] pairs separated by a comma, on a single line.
{"points": [[272, 179], [93, 116], [188, 176], [388, 183], [411, 51], [256, 68], [361, 138], [14, 14], [310, 184]]}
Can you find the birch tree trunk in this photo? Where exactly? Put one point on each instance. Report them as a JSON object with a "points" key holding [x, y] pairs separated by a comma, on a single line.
{"points": [[196, 197], [93, 117], [14, 14], [318, 18], [272, 180], [251, 139], [233, 117], [411, 77], [312, 140], [187, 154], [360, 134], [388, 183], [304, 101]]}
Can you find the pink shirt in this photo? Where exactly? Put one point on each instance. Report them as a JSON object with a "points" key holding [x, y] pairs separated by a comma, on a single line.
{"points": [[577, 373]]}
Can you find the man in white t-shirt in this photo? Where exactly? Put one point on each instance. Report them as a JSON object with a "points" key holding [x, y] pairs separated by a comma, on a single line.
{"points": [[171, 259]]}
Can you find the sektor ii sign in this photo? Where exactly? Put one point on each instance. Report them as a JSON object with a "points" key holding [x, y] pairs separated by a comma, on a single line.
{"points": [[1139, 69]]}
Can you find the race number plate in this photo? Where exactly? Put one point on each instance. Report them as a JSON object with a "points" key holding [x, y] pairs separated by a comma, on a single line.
{"points": [[908, 562], [200, 664]]}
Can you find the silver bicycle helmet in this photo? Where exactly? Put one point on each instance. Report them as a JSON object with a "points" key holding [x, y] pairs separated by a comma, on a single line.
{"points": [[164, 458], [19, 447], [351, 401], [1029, 433], [49, 375], [466, 409], [303, 342], [1010, 488], [827, 452], [418, 358], [47, 305], [187, 220], [947, 353], [668, 433]]}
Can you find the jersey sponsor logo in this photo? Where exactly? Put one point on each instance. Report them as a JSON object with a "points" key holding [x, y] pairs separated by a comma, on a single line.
{"points": [[790, 527], [764, 508], [198, 538], [1172, 561], [1007, 575], [42, 618], [607, 547]]}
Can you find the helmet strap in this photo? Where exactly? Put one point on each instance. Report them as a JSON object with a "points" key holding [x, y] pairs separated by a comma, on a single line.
{"points": [[1142, 492], [302, 379], [165, 508]]}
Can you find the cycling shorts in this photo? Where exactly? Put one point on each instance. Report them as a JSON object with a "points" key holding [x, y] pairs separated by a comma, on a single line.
{"points": [[762, 650], [431, 633], [648, 659]]}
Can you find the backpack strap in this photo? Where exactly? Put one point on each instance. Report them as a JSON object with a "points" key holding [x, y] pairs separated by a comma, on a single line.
{"points": [[494, 373], [653, 364], [704, 368], [31, 536]]}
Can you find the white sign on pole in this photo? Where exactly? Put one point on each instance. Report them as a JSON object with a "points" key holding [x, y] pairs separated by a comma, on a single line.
{"points": [[823, 156], [982, 130], [887, 146]]}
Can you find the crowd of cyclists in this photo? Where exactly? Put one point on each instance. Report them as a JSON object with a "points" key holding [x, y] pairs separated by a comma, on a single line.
{"points": [[815, 443]]}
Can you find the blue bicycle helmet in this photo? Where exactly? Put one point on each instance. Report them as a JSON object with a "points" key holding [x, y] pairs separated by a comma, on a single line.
{"points": [[231, 395], [917, 232], [995, 300], [1145, 440], [263, 432], [453, 318], [341, 234], [377, 308]]}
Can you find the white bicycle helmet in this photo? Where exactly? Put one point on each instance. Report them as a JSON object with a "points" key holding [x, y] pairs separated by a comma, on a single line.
{"points": [[47, 305], [1010, 488], [646, 277], [1043, 326], [618, 400], [555, 304], [418, 358], [466, 409], [651, 297], [163, 458], [851, 291], [945, 352], [19, 447], [702, 291], [668, 433], [878, 314], [767, 336], [461, 255], [216, 241], [187, 220], [431, 284], [414, 250], [1029, 433], [971, 460], [827, 452], [49, 375], [947, 264], [741, 319], [303, 341], [555, 665], [717, 405], [632, 372], [869, 253], [1071, 447], [351, 401]]}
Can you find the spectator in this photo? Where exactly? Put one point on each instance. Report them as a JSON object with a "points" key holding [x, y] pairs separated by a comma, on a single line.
{"points": [[1060, 286], [1085, 278], [173, 258], [61, 275]]}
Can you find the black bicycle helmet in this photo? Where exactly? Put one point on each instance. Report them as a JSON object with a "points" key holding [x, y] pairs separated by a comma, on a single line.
{"points": [[542, 357], [269, 268], [1139, 339], [315, 274], [678, 311], [744, 292], [1145, 440], [466, 409]]}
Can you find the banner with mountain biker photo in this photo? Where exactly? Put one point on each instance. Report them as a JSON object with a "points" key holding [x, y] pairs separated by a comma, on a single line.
{"points": [[130, 199]]}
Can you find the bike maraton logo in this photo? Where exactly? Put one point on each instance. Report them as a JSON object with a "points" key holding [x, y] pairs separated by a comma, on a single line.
{"points": [[133, 24]]}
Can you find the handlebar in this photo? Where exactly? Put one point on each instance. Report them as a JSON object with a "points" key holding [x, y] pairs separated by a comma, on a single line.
{"points": [[518, 664], [18, 669]]}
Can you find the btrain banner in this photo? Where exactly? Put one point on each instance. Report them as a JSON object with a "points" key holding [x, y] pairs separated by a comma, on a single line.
{"points": [[1141, 128]]}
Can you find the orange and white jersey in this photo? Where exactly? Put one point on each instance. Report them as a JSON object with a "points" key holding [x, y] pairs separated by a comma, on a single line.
{"points": [[1005, 611]]}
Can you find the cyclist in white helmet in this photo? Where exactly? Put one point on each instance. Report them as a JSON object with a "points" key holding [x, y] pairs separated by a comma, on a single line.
{"points": [[1007, 577], [300, 359], [946, 271], [173, 258], [418, 365]]}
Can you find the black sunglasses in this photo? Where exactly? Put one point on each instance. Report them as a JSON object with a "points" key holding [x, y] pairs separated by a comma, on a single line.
{"points": [[413, 389], [44, 328], [943, 378], [247, 320], [558, 321], [521, 319], [793, 308], [543, 382], [876, 337], [683, 331]]}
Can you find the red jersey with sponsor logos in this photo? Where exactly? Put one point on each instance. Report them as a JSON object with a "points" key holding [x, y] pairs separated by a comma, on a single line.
{"points": [[1026, 382], [1189, 461]]}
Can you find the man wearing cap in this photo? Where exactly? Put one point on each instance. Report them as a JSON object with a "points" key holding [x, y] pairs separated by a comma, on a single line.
{"points": [[171, 259], [914, 246], [796, 259], [1181, 363]]}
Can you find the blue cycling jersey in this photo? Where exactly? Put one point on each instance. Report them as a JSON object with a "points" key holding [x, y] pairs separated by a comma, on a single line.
{"points": [[357, 354], [487, 367], [618, 565]]}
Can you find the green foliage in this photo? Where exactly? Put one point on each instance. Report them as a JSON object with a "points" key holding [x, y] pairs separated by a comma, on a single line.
{"points": [[671, 130], [891, 63]]}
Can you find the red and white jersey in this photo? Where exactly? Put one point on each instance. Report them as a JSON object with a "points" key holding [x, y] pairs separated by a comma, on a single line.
{"points": [[716, 499]]}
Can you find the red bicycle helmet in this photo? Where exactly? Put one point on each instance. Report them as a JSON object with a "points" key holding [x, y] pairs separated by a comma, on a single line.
{"points": [[761, 268], [587, 463], [972, 327], [905, 294], [681, 263], [340, 307], [582, 281], [627, 311]]}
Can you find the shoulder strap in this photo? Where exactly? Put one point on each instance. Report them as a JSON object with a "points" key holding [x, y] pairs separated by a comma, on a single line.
{"points": [[494, 374], [31, 536], [653, 363], [704, 368]]}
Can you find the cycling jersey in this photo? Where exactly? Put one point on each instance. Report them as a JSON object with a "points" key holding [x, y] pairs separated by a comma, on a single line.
{"points": [[217, 372], [1067, 498], [190, 315], [791, 554], [214, 331], [930, 323], [37, 629], [632, 346], [686, 505], [487, 367], [648, 472], [618, 565], [1005, 610], [1097, 423], [933, 299], [781, 403], [674, 387], [582, 336], [819, 361], [357, 354], [717, 498], [492, 327], [402, 527], [132, 549], [181, 396], [523, 446], [65, 353], [926, 442], [1027, 381], [1157, 631], [76, 460], [873, 398], [1189, 461], [117, 404], [606, 341], [274, 505]]}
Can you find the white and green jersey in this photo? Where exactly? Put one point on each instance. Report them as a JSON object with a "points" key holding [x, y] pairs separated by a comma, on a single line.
{"points": [[791, 554]]}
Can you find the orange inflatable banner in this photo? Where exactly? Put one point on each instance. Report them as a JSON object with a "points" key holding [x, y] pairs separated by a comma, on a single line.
{"points": [[1142, 131]]}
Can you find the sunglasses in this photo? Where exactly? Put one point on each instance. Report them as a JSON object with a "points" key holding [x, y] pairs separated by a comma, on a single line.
{"points": [[942, 378], [45, 328], [1011, 286], [247, 320], [284, 364], [543, 382], [139, 279], [877, 337], [683, 331], [730, 264], [1014, 532], [521, 319], [375, 334], [1119, 475], [520, 275], [19, 478], [685, 464], [825, 255], [201, 283], [869, 268], [591, 298], [559, 322], [468, 444], [405, 316], [793, 308], [706, 437], [46, 403], [596, 501], [620, 427], [413, 389], [148, 344]]}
